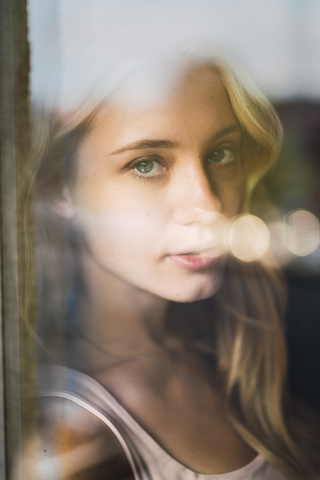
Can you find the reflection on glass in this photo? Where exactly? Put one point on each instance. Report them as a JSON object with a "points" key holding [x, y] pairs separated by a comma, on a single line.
{"points": [[248, 238], [302, 236], [159, 318]]}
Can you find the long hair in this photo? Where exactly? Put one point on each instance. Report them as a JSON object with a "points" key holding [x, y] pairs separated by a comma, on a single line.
{"points": [[250, 352]]}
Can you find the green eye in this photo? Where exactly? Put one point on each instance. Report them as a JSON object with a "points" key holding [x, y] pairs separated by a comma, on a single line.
{"points": [[225, 155], [146, 167]]}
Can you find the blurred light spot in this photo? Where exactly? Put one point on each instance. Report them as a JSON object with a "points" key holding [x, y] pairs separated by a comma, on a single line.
{"points": [[280, 255], [248, 238], [219, 229], [303, 235]]}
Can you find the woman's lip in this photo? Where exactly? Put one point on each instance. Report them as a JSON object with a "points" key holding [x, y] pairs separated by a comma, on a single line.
{"points": [[192, 261]]}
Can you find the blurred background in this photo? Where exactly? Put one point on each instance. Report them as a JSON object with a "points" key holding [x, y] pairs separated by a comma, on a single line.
{"points": [[278, 42]]}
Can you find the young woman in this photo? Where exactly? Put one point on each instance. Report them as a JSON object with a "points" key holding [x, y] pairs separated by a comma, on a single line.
{"points": [[164, 358]]}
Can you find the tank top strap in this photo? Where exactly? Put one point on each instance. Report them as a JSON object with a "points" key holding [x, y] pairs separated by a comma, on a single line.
{"points": [[148, 460]]}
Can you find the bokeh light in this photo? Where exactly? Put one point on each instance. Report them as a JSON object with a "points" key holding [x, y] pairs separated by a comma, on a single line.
{"points": [[248, 238], [279, 256], [303, 235]]}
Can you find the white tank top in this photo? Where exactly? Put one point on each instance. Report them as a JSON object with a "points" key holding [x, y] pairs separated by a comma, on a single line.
{"points": [[148, 460]]}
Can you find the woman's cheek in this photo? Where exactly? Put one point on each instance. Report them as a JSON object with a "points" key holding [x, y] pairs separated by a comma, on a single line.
{"points": [[119, 231]]}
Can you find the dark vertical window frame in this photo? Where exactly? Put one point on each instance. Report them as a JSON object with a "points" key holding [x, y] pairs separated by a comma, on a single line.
{"points": [[16, 349]]}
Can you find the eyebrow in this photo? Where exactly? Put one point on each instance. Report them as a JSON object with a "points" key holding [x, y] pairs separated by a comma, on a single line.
{"points": [[143, 144]]}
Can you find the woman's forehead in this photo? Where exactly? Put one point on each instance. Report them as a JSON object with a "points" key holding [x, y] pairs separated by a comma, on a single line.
{"points": [[196, 87], [150, 85], [195, 110], [200, 81]]}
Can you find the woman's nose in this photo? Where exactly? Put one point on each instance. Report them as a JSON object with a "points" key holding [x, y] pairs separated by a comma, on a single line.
{"points": [[198, 202]]}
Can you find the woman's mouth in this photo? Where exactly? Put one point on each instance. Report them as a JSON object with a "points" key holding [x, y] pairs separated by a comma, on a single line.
{"points": [[192, 261]]}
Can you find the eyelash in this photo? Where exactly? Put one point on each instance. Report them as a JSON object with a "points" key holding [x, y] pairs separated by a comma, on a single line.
{"points": [[159, 160], [231, 149], [146, 158]]}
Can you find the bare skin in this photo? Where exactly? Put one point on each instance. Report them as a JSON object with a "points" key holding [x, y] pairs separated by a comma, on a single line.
{"points": [[135, 221]]}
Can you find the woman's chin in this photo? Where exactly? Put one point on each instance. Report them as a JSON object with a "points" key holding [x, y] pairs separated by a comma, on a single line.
{"points": [[193, 293]]}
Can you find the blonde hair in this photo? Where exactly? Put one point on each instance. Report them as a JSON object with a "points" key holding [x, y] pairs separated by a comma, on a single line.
{"points": [[248, 337]]}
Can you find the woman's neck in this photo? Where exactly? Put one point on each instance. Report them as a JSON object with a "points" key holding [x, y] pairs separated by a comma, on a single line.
{"points": [[122, 318]]}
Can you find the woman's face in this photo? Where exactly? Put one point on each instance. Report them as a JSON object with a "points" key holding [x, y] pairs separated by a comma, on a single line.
{"points": [[153, 185]]}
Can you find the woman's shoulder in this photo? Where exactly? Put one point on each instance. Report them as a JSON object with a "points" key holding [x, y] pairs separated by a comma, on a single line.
{"points": [[69, 443]]}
